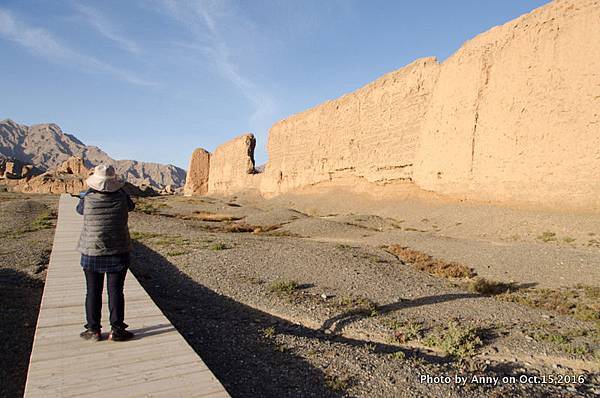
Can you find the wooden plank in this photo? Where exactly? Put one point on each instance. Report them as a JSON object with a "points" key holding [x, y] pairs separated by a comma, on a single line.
{"points": [[157, 362]]}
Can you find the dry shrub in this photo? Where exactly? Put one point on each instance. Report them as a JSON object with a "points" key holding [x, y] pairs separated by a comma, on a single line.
{"points": [[265, 228], [237, 228], [456, 340], [214, 217], [580, 301], [426, 263], [491, 288], [283, 286]]}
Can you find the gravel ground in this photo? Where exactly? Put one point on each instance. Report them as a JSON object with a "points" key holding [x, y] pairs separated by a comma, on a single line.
{"points": [[24, 255], [255, 353], [321, 327], [358, 321]]}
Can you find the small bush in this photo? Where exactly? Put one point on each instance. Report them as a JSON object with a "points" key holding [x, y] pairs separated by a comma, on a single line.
{"points": [[405, 332], [455, 340], [336, 383], [218, 246], [146, 208], [359, 305], [283, 286], [553, 338], [563, 342], [398, 356], [547, 236], [176, 253], [580, 350], [268, 332], [582, 302], [43, 221], [490, 288], [171, 240]]}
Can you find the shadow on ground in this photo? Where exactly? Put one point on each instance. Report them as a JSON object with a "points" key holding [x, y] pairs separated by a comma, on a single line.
{"points": [[340, 321], [20, 297], [229, 335]]}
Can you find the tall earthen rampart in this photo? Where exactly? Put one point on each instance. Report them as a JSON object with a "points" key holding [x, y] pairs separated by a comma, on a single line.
{"points": [[371, 133], [513, 115]]}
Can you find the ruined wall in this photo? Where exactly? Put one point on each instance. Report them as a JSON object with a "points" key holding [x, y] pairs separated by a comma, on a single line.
{"points": [[515, 112], [232, 166], [513, 115], [371, 133], [196, 181]]}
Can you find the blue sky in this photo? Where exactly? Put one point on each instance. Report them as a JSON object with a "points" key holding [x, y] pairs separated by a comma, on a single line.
{"points": [[153, 79]]}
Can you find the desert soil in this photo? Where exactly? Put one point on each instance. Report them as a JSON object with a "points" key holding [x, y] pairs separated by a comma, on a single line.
{"points": [[301, 295], [26, 233]]}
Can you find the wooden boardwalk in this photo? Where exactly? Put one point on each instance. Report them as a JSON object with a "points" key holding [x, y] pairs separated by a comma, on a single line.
{"points": [[158, 362]]}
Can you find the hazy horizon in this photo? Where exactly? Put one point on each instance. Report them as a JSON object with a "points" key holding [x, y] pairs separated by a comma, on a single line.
{"points": [[152, 80]]}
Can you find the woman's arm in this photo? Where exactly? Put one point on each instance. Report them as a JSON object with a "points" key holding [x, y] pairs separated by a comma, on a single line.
{"points": [[130, 204], [80, 205]]}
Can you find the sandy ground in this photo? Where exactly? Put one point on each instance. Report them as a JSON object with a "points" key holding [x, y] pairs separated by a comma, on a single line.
{"points": [[24, 256], [527, 245], [359, 320], [300, 295]]}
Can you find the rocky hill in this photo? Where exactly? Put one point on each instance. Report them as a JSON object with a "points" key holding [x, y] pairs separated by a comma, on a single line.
{"points": [[46, 146]]}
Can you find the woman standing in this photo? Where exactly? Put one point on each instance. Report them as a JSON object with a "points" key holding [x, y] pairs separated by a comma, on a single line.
{"points": [[105, 245]]}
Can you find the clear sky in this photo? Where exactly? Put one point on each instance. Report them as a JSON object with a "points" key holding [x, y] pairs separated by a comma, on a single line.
{"points": [[153, 79]]}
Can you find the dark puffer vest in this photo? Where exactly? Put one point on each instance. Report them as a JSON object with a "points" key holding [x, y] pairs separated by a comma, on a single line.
{"points": [[105, 216]]}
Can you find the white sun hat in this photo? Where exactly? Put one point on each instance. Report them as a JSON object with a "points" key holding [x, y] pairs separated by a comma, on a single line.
{"points": [[104, 179]]}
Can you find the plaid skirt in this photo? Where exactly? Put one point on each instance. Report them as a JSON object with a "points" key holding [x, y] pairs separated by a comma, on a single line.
{"points": [[111, 263]]}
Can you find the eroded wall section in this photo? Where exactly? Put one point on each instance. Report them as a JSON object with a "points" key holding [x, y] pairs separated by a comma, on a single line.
{"points": [[371, 133], [232, 166], [515, 114], [196, 181]]}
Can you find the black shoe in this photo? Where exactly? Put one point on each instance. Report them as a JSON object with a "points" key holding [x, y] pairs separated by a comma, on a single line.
{"points": [[120, 334], [88, 334]]}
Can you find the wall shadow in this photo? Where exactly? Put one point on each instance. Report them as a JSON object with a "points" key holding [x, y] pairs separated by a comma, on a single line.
{"points": [[340, 321], [20, 297], [229, 337]]}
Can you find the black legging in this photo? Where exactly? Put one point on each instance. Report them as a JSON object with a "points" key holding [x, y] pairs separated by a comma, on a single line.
{"points": [[116, 299]]}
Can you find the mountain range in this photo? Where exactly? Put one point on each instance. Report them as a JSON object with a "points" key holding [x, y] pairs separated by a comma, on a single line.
{"points": [[46, 146]]}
